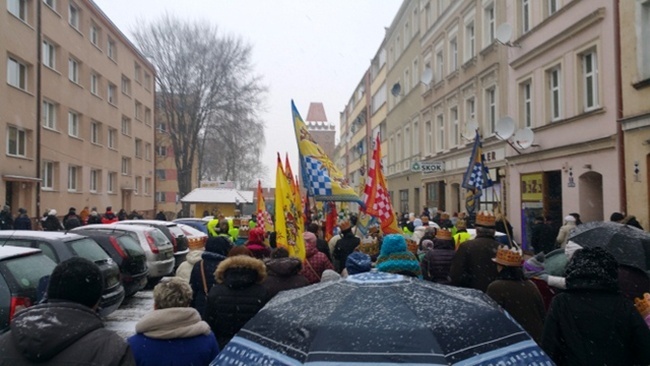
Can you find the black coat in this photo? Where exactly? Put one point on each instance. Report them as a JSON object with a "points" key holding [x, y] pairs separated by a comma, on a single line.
{"points": [[343, 248], [472, 265], [6, 221], [283, 274], [437, 262], [322, 247], [23, 222], [210, 263], [51, 223]]}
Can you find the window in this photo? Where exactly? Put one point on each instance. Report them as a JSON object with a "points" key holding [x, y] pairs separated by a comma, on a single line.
{"points": [[18, 8], [126, 166], [49, 54], [470, 48], [407, 142], [137, 71], [489, 25], [416, 73], [73, 176], [126, 85], [94, 34], [453, 55], [47, 176], [73, 15], [147, 151], [552, 7], [94, 83], [16, 141], [416, 138], [554, 77], [440, 67], [455, 137], [398, 150], [642, 36], [160, 196], [73, 124], [470, 109], [50, 3], [429, 138], [161, 150], [441, 133], [17, 73], [147, 186], [73, 70], [525, 16], [491, 108], [126, 126], [147, 81], [138, 110], [407, 81], [112, 96], [147, 116], [138, 148], [112, 181], [161, 174], [95, 128], [404, 200], [136, 188], [590, 80], [49, 115], [162, 127], [112, 138], [526, 102], [95, 178], [111, 49]]}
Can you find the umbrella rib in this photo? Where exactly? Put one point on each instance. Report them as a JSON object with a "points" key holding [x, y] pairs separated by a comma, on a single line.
{"points": [[484, 343], [273, 341], [374, 353]]}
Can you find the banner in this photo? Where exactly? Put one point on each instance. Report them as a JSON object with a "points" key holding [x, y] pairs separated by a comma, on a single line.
{"points": [[288, 216], [376, 197], [477, 176], [263, 217]]}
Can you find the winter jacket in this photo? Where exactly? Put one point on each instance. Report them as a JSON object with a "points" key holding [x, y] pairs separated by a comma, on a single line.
{"points": [[314, 264], [52, 223], [324, 248], [460, 237], [632, 221], [71, 221], [283, 274], [173, 336], [109, 218], [62, 333], [437, 262], [237, 296], [94, 218], [6, 221], [543, 237], [184, 270], [210, 263], [343, 248], [23, 222], [522, 300], [472, 264], [563, 234]]}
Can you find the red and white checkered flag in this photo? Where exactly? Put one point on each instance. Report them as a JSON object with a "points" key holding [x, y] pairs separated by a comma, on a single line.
{"points": [[375, 195]]}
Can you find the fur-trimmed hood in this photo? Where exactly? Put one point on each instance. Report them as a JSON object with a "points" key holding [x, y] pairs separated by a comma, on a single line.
{"points": [[240, 271]]}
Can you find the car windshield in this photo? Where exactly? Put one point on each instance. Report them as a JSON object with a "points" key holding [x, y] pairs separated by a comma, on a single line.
{"points": [[28, 270], [159, 237], [130, 245], [89, 249]]}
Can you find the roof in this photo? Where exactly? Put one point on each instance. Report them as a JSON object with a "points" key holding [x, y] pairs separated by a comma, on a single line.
{"points": [[51, 235], [9, 251], [316, 113], [218, 195]]}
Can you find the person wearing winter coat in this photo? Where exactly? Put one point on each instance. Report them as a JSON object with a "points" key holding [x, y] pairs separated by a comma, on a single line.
{"points": [[94, 217], [202, 275], [461, 235], [321, 244], [437, 260], [255, 243], [565, 231], [71, 220], [83, 215], [6, 219], [518, 296], [315, 261], [161, 216], [344, 246], [237, 296], [184, 270], [591, 323], [472, 265], [625, 220], [109, 217], [52, 222], [173, 333], [356, 263], [65, 330], [122, 215], [395, 258], [22, 222], [283, 273]]}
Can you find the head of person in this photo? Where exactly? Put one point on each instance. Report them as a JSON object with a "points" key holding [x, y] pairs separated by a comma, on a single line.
{"points": [[509, 261], [256, 236], [310, 238], [417, 223], [485, 222], [52, 212], [72, 210], [345, 227], [218, 245], [76, 280], [240, 250], [22, 211], [172, 293], [568, 219], [461, 225], [592, 268], [353, 219], [313, 228], [358, 262], [279, 253], [223, 227], [425, 220], [617, 217], [109, 208]]}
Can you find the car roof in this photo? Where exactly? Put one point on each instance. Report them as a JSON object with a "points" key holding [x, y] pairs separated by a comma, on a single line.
{"points": [[52, 235], [147, 222], [11, 251], [118, 227], [191, 230]]}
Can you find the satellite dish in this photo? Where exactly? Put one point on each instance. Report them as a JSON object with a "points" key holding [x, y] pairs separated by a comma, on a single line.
{"points": [[505, 127], [504, 33], [427, 76], [396, 89], [524, 138], [470, 130]]}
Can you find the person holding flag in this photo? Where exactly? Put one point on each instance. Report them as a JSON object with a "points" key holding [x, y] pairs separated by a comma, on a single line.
{"points": [[476, 178]]}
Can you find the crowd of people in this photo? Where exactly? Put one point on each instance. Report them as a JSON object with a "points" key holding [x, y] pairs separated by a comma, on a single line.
{"points": [[583, 314], [50, 220]]}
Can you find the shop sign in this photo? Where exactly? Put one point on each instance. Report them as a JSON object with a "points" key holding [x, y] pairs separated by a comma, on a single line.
{"points": [[428, 167], [532, 187]]}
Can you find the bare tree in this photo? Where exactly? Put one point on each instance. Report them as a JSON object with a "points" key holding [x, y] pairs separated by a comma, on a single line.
{"points": [[202, 77]]}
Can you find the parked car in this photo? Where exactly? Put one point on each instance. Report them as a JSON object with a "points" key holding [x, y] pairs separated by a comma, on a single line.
{"points": [[171, 231], [198, 224], [157, 248], [196, 239], [21, 270], [60, 246], [126, 252]]}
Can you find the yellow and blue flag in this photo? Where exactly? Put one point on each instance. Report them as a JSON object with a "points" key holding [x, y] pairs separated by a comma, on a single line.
{"points": [[477, 176]]}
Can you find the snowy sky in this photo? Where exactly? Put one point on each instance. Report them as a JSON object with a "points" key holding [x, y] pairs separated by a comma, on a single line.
{"points": [[306, 50]]}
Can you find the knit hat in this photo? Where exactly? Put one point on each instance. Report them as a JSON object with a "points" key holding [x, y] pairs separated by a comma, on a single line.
{"points": [[309, 237], [77, 280], [256, 235], [569, 218], [218, 245], [535, 264], [394, 257], [358, 262], [52, 212], [329, 275], [592, 268]]}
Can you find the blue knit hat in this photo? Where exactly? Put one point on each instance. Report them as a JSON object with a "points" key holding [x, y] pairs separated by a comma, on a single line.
{"points": [[394, 258], [358, 262]]}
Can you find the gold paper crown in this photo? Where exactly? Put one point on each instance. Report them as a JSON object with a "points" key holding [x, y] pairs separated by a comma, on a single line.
{"points": [[485, 218], [461, 224], [443, 234], [643, 304], [244, 231], [369, 245], [508, 256], [344, 225]]}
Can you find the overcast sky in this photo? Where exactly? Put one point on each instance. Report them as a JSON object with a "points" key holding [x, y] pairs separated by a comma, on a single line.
{"points": [[306, 50]]}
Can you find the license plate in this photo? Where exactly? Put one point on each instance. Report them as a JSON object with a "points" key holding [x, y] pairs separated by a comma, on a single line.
{"points": [[169, 254]]}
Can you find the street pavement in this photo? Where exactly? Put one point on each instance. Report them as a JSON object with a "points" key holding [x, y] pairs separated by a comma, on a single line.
{"points": [[123, 320]]}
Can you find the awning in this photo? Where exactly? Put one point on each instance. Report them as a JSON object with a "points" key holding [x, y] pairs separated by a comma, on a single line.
{"points": [[20, 178]]}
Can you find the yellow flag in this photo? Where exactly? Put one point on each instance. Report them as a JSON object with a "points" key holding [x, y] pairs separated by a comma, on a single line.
{"points": [[288, 217]]}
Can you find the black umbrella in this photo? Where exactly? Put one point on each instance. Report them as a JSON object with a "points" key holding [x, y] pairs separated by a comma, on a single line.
{"points": [[627, 244], [380, 318]]}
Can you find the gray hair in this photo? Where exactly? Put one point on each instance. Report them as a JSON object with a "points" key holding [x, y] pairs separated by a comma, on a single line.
{"points": [[172, 293]]}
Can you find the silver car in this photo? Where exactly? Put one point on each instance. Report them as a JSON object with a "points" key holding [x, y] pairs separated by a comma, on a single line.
{"points": [[158, 249]]}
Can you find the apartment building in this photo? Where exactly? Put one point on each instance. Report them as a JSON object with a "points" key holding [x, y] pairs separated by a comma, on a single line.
{"points": [[466, 89], [634, 34], [562, 86], [77, 110], [403, 108]]}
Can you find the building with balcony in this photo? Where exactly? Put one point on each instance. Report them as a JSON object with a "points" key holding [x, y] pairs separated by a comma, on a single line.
{"points": [[77, 116]]}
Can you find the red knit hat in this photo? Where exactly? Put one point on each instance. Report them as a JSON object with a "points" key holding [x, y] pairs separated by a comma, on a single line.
{"points": [[256, 235]]}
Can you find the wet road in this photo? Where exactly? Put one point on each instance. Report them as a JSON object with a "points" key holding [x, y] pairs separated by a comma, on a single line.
{"points": [[123, 320]]}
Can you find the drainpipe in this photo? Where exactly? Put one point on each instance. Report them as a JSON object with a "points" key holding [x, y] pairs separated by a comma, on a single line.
{"points": [[39, 56], [620, 141]]}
